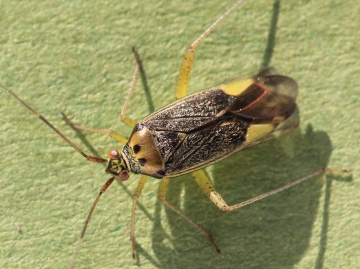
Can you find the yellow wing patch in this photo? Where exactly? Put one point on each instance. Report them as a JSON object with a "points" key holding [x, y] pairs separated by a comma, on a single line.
{"points": [[257, 131], [236, 87]]}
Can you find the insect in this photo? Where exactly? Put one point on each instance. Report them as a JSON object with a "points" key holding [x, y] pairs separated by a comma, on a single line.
{"points": [[196, 131]]}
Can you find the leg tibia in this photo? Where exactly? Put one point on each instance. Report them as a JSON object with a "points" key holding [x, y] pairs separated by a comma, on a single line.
{"points": [[184, 75]]}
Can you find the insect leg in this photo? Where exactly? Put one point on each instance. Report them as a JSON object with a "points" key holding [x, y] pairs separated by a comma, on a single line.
{"points": [[135, 198], [205, 184], [88, 157], [163, 190], [185, 70], [128, 121], [110, 133], [125, 119]]}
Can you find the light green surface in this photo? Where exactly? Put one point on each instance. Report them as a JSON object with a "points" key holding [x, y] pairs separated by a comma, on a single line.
{"points": [[75, 56]]}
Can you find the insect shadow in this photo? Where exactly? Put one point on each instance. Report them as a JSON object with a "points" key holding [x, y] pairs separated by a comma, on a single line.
{"points": [[271, 35], [272, 233]]}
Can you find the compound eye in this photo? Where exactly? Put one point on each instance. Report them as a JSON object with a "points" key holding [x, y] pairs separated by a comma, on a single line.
{"points": [[114, 154], [124, 175]]}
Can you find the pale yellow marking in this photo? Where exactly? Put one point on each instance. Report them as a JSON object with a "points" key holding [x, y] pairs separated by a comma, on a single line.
{"points": [[128, 121], [184, 75], [118, 137], [182, 136], [257, 131], [237, 86]]}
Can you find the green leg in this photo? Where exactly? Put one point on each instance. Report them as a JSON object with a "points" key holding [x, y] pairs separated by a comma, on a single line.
{"points": [[135, 198], [163, 190], [208, 188], [125, 119], [111, 133], [185, 71], [184, 75], [128, 121]]}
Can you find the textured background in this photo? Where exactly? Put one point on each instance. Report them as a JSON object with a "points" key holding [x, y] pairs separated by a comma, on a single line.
{"points": [[75, 56]]}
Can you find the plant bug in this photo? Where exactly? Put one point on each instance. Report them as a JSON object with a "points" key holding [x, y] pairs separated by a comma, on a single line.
{"points": [[184, 78]]}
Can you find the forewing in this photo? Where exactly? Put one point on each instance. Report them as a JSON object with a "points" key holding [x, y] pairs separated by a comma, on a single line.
{"points": [[190, 113]]}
